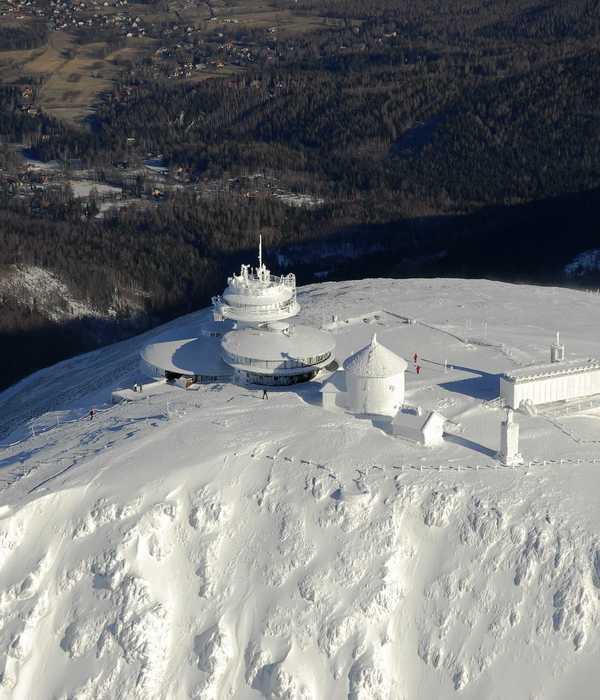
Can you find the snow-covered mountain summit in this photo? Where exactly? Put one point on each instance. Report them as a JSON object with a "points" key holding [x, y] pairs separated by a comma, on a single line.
{"points": [[211, 544]]}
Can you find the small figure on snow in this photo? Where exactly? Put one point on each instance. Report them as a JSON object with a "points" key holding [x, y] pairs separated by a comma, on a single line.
{"points": [[265, 395], [92, 413], [415, 358], [418, 368]]}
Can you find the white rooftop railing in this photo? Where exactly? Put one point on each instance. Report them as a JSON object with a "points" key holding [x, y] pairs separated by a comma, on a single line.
{"points": [[258, 281], [253, 309], [300, 363]]}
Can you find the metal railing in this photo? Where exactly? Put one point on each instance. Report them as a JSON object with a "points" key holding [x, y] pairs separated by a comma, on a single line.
{"points": [[275, 364], [227, 309]]}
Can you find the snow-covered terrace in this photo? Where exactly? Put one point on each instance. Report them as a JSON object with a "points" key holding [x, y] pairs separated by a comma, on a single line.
{"points": [[276, 351]]}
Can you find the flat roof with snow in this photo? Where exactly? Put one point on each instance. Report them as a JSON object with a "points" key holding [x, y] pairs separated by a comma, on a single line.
{"points": [[413, 419], [551, 369], [301, 343], [190, 353]]}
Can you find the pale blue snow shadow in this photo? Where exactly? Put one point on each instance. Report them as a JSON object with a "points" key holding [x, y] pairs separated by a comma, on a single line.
{"points": [[485, 386], [469, 444]]}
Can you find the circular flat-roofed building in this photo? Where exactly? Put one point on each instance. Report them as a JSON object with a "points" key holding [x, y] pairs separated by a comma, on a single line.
{"points": [[250, 337], [193, 352], [277, 357]]}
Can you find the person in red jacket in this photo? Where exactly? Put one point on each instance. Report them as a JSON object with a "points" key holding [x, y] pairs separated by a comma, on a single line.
{"points": [[418, 369]]}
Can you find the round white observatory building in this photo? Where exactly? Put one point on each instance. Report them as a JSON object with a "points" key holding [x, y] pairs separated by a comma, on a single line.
{"points": [[277, 356], [250, 339], [265, 347], [375, 380], [257, 297]]}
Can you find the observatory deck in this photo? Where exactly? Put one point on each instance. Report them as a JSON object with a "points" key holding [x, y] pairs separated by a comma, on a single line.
{"points": [[256, 296], [268, 351]]}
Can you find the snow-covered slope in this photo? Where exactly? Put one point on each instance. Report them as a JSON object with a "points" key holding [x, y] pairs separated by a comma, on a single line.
{"points": [[213, 545], [43, 290], [36, 287]]}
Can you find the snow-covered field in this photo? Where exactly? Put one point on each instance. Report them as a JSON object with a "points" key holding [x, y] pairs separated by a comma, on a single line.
{"points": [[84, 188], [213, 545]]}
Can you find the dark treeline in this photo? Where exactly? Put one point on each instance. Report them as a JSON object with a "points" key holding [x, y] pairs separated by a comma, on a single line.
{"points": [[23, 36], [177, 254]]}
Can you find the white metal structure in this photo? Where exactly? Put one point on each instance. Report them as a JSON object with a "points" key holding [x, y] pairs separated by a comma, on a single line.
{"points": [[509, 441], [375, 380], [423, 427], [556, 381], [557, 351], [264, 348], [257, 296]]}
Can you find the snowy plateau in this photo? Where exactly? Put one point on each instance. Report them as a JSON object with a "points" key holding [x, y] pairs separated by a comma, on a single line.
{"points": [[210, 544]]}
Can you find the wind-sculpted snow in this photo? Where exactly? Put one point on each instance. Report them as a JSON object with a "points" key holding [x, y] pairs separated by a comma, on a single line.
{"points": [[292, 603], [229, 547]]}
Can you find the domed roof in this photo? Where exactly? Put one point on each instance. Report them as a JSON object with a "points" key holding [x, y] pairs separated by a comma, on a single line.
{"points": [[375, 360]]}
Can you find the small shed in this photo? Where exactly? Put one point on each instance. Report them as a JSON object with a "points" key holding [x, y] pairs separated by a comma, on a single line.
{"points": [[330, 396], [420, 426], [375, 380]]}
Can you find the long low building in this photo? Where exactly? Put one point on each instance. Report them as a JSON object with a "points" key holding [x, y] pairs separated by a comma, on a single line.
{"points": [[549, 383]]}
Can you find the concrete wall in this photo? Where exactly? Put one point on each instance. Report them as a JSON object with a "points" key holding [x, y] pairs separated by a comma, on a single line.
{"points": [[375, 395], [550, 389]]}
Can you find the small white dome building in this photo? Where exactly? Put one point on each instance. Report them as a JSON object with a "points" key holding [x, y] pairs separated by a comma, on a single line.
{"points": [[375, 380]]}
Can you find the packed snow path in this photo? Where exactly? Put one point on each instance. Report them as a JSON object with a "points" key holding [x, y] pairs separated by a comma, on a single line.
{"points": [[212, 544]]}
